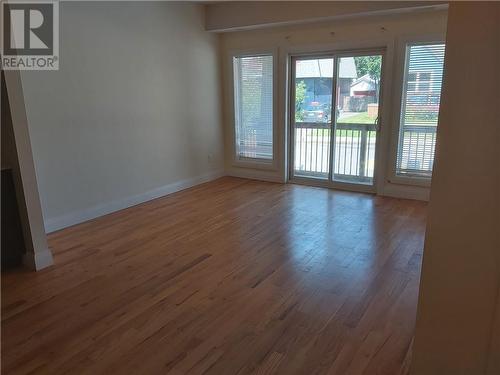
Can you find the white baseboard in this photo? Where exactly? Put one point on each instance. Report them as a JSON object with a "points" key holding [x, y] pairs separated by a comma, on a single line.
{"points": [[67, 220], [39, 260], [418, 193], [255, 175]]}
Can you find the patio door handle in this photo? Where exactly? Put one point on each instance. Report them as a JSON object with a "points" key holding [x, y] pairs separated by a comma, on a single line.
{"points": [[377, 123]]}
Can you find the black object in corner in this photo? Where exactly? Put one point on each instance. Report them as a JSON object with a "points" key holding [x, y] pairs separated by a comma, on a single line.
{"points": [[13, 246]]}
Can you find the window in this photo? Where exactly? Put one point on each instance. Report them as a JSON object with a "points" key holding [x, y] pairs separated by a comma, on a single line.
{"points": [[419, 109], [253, 106]]}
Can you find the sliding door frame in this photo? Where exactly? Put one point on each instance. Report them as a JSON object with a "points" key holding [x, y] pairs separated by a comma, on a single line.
{"points": [[291, 116], [336, 54]]}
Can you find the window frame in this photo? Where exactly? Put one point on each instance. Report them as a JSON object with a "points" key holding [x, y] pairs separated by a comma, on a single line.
{"points": [[399, 80], [236, 159]]}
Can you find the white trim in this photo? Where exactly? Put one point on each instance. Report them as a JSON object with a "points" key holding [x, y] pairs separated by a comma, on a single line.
{"points": [[39, 260], [341, 17], [63, 221]]}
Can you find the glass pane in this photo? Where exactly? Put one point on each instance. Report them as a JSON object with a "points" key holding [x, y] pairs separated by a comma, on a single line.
{"points": [[313, 90], [253, 102], [357, 106], [420, 109], [313, 82]]}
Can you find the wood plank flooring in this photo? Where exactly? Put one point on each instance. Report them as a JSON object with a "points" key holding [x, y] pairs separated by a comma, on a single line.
{"points": [[230, 277]]}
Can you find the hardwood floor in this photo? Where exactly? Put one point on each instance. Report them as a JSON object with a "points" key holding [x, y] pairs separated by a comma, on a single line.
{"points": [[230, 277]]}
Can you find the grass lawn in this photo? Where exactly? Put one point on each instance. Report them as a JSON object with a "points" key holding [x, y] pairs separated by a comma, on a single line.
{"points": [[360, 118], [363, 118]]}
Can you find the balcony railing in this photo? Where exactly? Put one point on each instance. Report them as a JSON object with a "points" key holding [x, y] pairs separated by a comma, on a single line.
{"points": [[354, 151], [312, 149]]}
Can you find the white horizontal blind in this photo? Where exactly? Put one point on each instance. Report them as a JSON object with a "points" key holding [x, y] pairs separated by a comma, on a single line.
{"points": [[420, 108], [253, 106]]}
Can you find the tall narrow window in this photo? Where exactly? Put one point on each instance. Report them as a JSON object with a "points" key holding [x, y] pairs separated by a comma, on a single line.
{"points": [[253, 106], [419, 109]]}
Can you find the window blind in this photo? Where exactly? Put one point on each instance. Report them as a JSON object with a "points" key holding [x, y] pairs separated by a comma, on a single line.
{"points": [[253, 106], [419, 109]]}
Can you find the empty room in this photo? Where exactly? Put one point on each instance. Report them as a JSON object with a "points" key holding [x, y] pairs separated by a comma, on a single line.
{"points": [[250, 187]]}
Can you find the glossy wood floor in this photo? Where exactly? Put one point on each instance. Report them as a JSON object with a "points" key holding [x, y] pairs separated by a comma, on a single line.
{"points": [[230, 277]]}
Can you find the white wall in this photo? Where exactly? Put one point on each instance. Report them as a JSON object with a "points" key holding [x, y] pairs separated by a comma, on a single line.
{"points": [[365, 31], [458, 304], [133, 112]]}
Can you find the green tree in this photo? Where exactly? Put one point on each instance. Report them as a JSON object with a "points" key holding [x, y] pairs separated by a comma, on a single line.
{"points": [[300, 98], [370, 65]]}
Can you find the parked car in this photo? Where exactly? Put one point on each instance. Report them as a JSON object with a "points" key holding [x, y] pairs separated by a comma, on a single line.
{"points": [[317, 112]]}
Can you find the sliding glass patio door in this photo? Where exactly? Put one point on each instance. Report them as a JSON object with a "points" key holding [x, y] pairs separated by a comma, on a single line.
{"points": [[334, 118], [312, 116]]}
